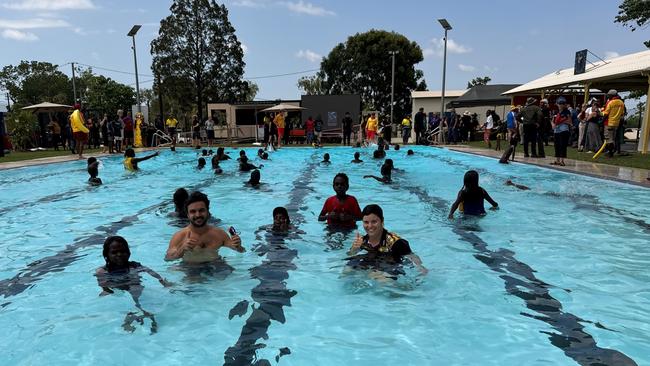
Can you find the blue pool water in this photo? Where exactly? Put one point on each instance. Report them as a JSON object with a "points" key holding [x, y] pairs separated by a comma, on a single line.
{"points": [[558, 276]]}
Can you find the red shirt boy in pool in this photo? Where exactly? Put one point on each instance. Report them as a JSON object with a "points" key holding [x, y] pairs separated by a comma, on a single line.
{"points": [[342, 209]]}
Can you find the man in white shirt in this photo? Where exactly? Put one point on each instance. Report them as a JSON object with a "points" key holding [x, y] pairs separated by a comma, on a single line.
{"points": [[209, 129]]}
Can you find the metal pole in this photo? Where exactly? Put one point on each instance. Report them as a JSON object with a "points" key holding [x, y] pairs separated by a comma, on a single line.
{"points": [[137, 82], [442, 99], [74, 87], [160, 101], [8, 102], [392, 87]]}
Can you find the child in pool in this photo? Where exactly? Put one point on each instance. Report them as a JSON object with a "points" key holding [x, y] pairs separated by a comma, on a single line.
{"points": [[326, 159], [122, 274], [386, 172], [471, 197], [356, 158], [93, 171], [201, 164]]}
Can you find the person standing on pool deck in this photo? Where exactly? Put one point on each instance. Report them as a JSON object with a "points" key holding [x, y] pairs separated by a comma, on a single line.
{"points": [[342, 209], [471, 197], [200, 242], [171, 124], [372, 126], [279, 123], [381, 245], [79, 130], [131, 162]]}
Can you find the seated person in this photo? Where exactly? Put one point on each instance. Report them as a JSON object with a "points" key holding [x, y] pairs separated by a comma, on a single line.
{"points": [[199, 242], [386, 173], [356, 158], [245, 166], [221, 155], [254, 181], [201, 164], [93, 171], [131, 162], [326, 159], [179, 198], [121, 274], [470, 197], [385, 250], [342, 209]]}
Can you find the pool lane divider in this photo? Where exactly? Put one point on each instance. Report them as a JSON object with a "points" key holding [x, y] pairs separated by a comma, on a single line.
{"points": [[38, 269], [271, 293], [520, 281]]}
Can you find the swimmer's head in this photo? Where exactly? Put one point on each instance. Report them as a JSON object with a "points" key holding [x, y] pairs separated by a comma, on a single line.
{"points": [[129, 153], [242, 153], [373, 219], [92, 167], [220, 151], [91, 160], [376, 154], [396, 147], [116, 252], [341, 184], [204, 152], [326, 157], [180, 196], [265, 156], [281, 218], [358, 144], [410, 152], [389, 162], [356, 155], [255, 177], [260, 152], [201, 163], [197, 207], [470, 181]]}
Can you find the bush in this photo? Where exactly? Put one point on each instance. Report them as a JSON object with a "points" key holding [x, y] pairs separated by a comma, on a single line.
{"points": [[22, 127]]}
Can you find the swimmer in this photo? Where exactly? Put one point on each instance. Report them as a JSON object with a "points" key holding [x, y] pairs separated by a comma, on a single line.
{"points": [[200, 242], [260, 152], [93, 171], [242, 154], [122, 274], [326, 159], [341, 209], [210, 152], [245, 166], [204, 152], [396, 147], [215, 165], [385, 250], [179, 198], [221, 155], [471, 196], [386, 173], [410, 152], [265, 156], [201, 164], [356, 158], [172, 148], [379, 153], [358, 144], [281, 222], [254, 181], [131, 162], [518, 186]]}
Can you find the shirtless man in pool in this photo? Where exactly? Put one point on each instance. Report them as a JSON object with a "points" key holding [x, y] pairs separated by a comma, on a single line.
{"points": [[199, 242]]}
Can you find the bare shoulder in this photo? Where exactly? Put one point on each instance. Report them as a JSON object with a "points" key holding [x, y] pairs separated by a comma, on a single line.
{"points": [[218, 234], [179, 234], [100, 271]]}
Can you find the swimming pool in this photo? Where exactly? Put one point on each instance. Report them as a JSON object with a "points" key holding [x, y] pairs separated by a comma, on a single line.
{"points": [[559, 275]]}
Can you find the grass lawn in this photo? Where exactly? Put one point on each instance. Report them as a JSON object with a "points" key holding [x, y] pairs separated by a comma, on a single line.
{"points": [[28, 155], [634, 160]]}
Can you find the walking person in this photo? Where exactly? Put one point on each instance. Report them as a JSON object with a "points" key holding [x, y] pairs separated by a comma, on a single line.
{"points": [[79, 131], [614, 111], [511, 122], [372, 125], [562, 131], [279, 124], [118, 126]]}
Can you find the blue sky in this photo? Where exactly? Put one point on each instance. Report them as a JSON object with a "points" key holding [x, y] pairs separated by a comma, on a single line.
{"points": [[510, 41]]}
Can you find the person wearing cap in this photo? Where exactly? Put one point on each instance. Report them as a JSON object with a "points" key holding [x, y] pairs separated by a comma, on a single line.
{"points": [[562, 131], [614, 111], [79, 130], [531, 117], [465, 125]]}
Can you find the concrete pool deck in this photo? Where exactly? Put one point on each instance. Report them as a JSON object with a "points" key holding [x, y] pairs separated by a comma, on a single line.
{"points": [[634, 176]]}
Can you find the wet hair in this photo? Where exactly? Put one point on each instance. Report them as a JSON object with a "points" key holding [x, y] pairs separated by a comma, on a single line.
{"points": [[376, 154], [282, 211], [220, 151], [344, 176], [410, 152], [129, 153], [356, 155], [215, 161], [389, 162], [201, 162], [210, 152], [197, 196], [242, 153], [326, 157], [396, 147], [470, 185], [265, 155], [107, 244], [373, 209], [255, 176], [180, 196], [91, 160], [204, 152], [260, 152]]}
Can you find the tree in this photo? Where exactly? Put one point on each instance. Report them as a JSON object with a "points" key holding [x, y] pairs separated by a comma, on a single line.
{"points": [[634, 14], [478, 81], [312, 85], [197, 54], [33, 82], [363, 66], [252, 91], [100, 94]]}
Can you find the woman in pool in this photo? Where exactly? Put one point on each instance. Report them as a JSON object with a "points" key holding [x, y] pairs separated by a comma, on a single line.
{"points": [[131, 162], [384, 250], [471, 197], [121, 274], [221, 155], [386, 172]]}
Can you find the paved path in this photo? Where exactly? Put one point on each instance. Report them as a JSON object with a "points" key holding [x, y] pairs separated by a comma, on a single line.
{"points": [[619, 173]]}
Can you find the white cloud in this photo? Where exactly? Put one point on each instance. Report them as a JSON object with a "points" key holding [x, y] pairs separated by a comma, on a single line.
{"points": [[49, 5], [244, 48], [466, 68], [302, 7], [611, 54], [249, 3], [17, 35], [438, 47], [33, 23], [309, 55], [490, 69]]}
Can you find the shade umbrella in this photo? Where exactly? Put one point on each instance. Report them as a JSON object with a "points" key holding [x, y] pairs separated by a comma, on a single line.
{"points": [[48, 107], [284, 107]]}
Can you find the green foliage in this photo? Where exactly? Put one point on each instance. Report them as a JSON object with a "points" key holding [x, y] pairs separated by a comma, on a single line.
{"points": [[634, 14], [362, 65], [100, 94], [22, 126], [253, 88], [198, 56], [312, 85], [33, 82], [478, 81]]}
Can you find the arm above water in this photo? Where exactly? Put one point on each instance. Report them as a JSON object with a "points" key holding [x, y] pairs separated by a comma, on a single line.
{"points": [[418, 263], [157, 276], [455, 205], [137, 160], [180, 242], [102, 282], [487, 197], [232, 242]]}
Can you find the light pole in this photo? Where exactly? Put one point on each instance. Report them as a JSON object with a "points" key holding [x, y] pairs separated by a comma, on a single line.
{"points": [[392, 86], [131, 34], [445, 24]]}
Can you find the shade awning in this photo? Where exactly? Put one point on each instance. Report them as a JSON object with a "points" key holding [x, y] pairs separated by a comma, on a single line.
{"points": [[284, 107], [482, 96], [48, 107]]}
